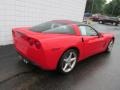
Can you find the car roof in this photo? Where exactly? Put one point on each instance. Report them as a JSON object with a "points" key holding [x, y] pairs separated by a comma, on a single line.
{"points": [[68, 22]]}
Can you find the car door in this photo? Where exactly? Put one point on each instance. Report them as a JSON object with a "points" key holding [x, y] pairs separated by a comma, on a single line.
{"points": [[93, 43]]}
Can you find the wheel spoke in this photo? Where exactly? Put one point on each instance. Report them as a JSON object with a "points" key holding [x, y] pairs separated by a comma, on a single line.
{"points": [[70, 56], [71, 65], [72, 59], [66, 65], [66, 60]]}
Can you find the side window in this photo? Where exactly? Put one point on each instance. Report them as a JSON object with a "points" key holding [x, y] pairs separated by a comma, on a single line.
{"points": [[86, 30], [64, 29]]}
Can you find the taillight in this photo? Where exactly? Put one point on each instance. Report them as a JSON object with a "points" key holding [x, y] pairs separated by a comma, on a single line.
{"points": [[31, 41], [35, 42], [25, 37]]}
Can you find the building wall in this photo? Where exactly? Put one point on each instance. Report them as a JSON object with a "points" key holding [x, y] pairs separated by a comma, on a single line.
{"points": [[17, 13]]}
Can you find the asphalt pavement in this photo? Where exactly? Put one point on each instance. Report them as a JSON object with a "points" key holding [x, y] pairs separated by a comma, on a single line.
{"points": [[99, 72]]}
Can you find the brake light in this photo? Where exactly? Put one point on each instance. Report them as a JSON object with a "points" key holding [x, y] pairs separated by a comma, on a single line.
{"points": [[25, 37], [35, 42], [31, 41]]}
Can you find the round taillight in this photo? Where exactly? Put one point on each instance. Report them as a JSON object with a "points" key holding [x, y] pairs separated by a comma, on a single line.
{"points": [[37, 44], [31, 41]]}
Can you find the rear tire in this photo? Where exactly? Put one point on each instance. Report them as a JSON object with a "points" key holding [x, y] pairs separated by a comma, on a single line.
{"points": [[68, 61], [115, 24]]}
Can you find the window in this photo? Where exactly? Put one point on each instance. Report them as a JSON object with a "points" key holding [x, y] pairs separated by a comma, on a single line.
{"points": [[87, 30], [53, 27], [61, 29], [45, 26], [113, 18]]}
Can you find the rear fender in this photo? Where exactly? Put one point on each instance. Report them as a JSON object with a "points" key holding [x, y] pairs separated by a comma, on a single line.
{"points": [[54, 50]]}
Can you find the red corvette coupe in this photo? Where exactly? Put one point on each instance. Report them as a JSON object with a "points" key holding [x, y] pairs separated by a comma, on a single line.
{"points": [[60, 44]]}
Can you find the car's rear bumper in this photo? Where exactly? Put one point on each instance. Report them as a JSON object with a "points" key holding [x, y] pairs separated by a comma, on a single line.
{"points": [[40, 62]]}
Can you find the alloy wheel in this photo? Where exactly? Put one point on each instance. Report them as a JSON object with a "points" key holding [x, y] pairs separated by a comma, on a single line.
{"points": [[110, 46], [69, 62]]}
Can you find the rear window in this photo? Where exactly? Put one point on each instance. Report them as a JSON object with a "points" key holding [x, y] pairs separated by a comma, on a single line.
{"points": [[113, 18], [53, 27]]}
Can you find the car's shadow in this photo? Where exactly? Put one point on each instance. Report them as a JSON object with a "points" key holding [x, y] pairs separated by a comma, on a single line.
{"points": [[85, 69]]}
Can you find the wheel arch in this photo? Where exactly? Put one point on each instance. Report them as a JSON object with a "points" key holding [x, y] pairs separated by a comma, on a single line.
{"points": [[72, 47], [113, 38]]}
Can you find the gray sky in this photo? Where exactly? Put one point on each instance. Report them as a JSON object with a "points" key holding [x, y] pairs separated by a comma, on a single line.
{"points": [[107, 1]]}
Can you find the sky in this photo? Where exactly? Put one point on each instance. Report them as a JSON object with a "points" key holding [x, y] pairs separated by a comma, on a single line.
{"points": [[107, 1]]}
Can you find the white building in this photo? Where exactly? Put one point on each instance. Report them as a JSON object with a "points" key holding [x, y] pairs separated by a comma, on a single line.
{"points": [[16, 13]]}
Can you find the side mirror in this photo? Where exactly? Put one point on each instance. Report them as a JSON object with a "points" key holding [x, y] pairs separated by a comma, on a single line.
{"points": [[100, 35]]}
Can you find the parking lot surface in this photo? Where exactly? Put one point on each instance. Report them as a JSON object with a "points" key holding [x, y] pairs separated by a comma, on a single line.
{"points": [[100, 72]]}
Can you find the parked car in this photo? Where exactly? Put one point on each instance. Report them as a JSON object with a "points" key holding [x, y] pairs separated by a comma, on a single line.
{"points": [[60, 44], [112, 20], [96, 17]]}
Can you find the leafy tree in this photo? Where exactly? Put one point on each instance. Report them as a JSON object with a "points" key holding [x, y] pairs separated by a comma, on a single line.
{"points": [[95, 6], [112, 8], [88, 6]]}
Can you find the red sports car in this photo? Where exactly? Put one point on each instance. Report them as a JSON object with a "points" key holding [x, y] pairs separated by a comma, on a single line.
{"points": [[60, 44]]}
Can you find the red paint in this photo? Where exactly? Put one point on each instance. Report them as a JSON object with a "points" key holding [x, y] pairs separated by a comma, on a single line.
{"points": [[45, 49]]}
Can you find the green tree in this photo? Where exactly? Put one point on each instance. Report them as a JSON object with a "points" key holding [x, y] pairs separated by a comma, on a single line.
{"points": [[95, 6], [112, 8]]}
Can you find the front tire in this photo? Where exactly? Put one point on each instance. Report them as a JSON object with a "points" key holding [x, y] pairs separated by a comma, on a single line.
{"points": [[68, 61], [110, 46], [101, 22]]}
